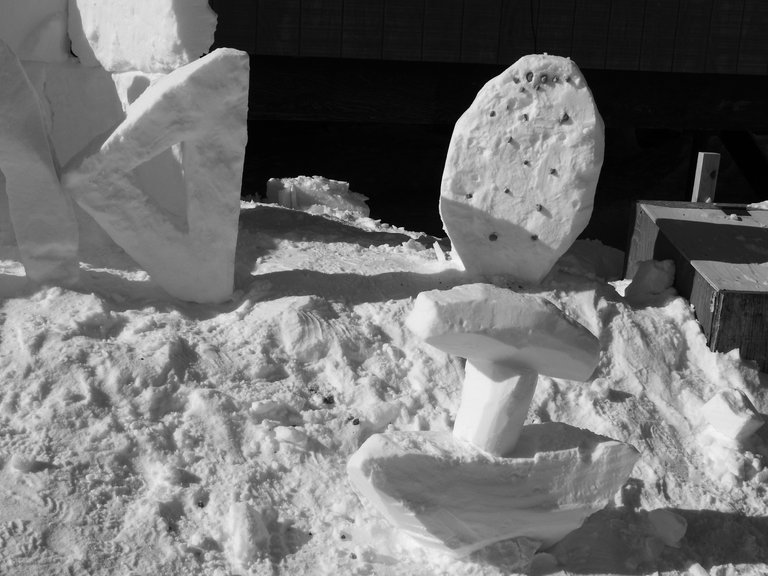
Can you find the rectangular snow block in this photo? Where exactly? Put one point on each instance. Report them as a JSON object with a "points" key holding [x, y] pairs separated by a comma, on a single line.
{"points": [[721, 260]]}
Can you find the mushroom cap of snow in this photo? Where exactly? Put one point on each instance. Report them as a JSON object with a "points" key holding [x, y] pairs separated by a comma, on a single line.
{"points": [[485, 323]]}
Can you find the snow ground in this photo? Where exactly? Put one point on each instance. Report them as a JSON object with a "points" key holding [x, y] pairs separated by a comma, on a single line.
{"points": [[143, 435]]}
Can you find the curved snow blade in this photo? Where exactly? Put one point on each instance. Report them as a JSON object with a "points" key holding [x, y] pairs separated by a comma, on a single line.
{"points": [[200, 110], [42, 216]]}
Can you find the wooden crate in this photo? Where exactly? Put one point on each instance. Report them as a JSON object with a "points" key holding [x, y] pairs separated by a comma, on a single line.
{"points": [[721, 260]]}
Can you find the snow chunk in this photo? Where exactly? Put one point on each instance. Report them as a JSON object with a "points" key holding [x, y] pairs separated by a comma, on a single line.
{"points": [[42, 216], [652, 282], [36, 30], [492, 324], [305, 192], [732, 414], [144, 35], [189, 250], [522, 169], [452, 497]]}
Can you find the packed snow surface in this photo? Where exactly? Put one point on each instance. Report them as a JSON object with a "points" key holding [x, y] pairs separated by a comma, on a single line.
{"points": [[143, 435]]}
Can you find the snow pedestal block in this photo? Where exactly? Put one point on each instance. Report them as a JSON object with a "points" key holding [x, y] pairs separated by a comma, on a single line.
{"points": [[199, 112], [142, 35], [42, 216], [451, 496], [522, 168]]}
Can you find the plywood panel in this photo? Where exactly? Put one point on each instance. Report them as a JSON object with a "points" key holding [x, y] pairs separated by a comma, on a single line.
{"points": [[363, 29], [659, 30], [403, 29], [480, 31], [442, 30], [692, 36], [725, 36], [555, 26], [590, 32], [518, 25], [277, 28], [753, 52], [625, 35], [321, 28]]}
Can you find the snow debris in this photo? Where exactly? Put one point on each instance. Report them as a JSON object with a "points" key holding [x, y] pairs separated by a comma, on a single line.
{"points": [[522, 168], [142, 35], [313, 194], [732, 414], [652, 283]]}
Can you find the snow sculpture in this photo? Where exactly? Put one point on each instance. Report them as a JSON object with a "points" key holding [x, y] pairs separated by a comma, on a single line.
{"points": [[517, 190], [42, 216], [199, 110], [522, 168], [143, 35], [35, 30], [508, 339]]}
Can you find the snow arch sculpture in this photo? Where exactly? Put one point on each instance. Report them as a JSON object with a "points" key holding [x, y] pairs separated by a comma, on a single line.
{"points": [[42, 216], [199, 111]]}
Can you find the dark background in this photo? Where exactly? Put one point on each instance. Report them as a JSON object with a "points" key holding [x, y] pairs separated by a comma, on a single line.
{"points": [[367, 91]]}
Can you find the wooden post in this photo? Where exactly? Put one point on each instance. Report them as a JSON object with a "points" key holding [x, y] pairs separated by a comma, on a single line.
{"points": [[706, 177]]}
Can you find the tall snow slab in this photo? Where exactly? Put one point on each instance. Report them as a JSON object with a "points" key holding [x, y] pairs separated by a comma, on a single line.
{"points": [[36, 30], [42, 216], [450, 496], [199, 113], [522, 168], [142, 35]]}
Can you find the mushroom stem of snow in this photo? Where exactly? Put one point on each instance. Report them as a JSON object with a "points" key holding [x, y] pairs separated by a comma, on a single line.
{"points": [[494, 403]]}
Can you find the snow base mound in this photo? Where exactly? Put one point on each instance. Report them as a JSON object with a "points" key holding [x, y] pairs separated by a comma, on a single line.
{"points": [[453, 497]]}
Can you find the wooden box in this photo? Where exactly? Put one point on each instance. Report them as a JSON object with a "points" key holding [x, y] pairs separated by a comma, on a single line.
{"points": [[721, 266]]}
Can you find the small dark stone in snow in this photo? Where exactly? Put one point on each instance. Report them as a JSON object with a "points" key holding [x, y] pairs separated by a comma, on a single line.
{"points": [[493, 237], [507, 191], [353, 556], [356, 422], [469, 196], [515, 79], [525, 117], [329, 399], [526, 163], [565, 118], [553, 171], [510, 140], [539, 207], [534, 237], [529, 76], [200, 504], [493, 113], [343, 536], [544, 78]]}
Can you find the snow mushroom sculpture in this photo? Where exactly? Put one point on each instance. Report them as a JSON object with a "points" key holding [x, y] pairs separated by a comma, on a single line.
{"points": [[508, 339], [522, 169], [517, 190]]}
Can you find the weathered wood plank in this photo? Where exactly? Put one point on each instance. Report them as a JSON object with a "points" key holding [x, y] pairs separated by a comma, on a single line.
{"points": [[742, 322], [480, 31], [518, 31], [362, 36], [236, 26], [705, 181], [277, 27], [692, 36], [590, 33], [625, 35], [321, 28], [659, 29], [725, 36], [753, 54], [403, 29], [442, 30], [555, 26]]}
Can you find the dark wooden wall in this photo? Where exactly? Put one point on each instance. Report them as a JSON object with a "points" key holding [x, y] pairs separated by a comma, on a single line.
{"points": [[699, 36]]}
